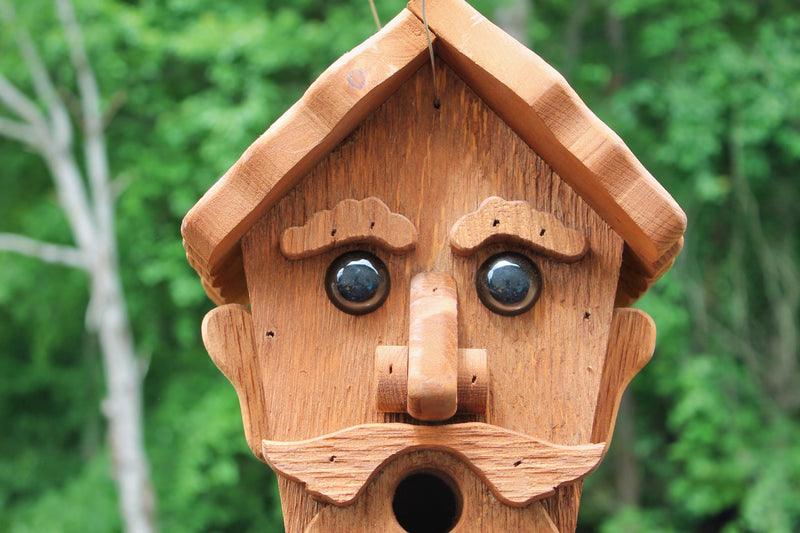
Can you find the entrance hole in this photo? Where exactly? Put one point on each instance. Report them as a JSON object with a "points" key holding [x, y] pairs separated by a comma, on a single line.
{"points": [[426, 502]]}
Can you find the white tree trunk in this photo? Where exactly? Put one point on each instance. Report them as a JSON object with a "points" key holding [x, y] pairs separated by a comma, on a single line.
{"points": [[90, 214], [123, 404], [514, 16]]}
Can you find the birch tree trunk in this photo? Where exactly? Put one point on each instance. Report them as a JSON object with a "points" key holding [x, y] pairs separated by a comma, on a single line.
{"points": [[514, 16], [87, 200]]}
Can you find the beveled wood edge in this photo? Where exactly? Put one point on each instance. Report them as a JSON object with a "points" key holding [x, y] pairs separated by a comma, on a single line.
{"points": [[498, 220], [631, 342], [356, 84], [229, 338], [368, 220]]}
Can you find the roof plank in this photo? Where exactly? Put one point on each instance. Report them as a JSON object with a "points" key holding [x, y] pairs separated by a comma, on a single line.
{"points": [[538, 103], [331, 108]]}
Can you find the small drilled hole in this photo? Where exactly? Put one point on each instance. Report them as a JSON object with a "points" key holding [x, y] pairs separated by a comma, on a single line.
{"points": [[270, 333], [474, 379], [495, 223], [371, 225], [391, 368], [332, 458], [426, 503], [541, 233], [517, 463], [586, 315], [333, 233]]}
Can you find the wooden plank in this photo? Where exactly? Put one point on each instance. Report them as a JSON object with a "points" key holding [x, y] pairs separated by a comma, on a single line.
{"points": [[541, 107], [391, 375], [330, 109], [518, 469], [473, 381]]}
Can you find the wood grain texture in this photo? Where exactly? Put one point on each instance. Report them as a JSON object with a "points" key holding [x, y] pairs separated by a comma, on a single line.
{"points": [[483, 513], [630, 346], [563, 506], [230, 341], [335, 104], [542, 382], [499, 221], [391, 378], [517, 469], [351, 221], [516, 83], [541, 107], [391, 369], [473, 381], [432, 347], [635, 278]]}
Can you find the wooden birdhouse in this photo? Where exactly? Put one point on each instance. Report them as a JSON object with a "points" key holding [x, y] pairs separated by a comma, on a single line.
{"points": [[424, 310]]}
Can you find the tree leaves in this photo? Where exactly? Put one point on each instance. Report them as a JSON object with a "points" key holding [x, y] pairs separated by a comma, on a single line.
{"points": [[705, 92]]}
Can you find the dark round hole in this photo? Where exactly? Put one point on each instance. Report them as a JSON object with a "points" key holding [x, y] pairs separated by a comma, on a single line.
{"points": [[426, 503]]}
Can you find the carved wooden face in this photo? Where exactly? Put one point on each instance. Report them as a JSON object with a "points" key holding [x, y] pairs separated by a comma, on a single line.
{"points": [[322, 336], [316, 357]]}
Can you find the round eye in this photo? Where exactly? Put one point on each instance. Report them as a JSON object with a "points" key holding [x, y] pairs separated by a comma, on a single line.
{"points": [[357, 282], [508, 283]]}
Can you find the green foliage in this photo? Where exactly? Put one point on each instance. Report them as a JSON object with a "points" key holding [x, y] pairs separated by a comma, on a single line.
{"points": [[86, 502], [705, 92]]}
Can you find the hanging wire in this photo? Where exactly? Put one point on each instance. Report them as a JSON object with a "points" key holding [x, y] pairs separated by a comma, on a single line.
{"points": [[436, 102], [375, 14]]}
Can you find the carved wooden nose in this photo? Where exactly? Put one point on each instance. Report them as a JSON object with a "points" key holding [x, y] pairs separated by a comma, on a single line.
{"points": [[433, 332], [432, 347]]}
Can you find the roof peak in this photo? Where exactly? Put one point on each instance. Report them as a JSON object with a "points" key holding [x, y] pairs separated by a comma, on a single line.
{"points": [[526, 92]]}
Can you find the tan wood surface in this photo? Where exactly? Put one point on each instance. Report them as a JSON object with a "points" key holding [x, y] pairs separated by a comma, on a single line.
{"points": [[230, 341], [351, 221], [391, 378], [499, 221], [516, 468], [630, 346], [432, 347], [473, 381], [391, 369], [483, 514], [319, 362]]}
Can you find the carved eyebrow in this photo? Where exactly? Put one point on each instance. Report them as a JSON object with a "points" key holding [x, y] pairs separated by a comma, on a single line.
{"points": [[497, 220], [368, 220]]}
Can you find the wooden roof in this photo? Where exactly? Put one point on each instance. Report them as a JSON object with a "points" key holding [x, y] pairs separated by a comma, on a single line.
{"points": [[527, 93]]}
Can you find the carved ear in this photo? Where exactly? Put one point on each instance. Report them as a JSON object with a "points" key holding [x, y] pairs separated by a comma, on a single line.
{"points": [[230, 340], [631, 342]]}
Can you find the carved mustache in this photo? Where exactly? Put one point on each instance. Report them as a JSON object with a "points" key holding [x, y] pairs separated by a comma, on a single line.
{"points": [[516, 468]]}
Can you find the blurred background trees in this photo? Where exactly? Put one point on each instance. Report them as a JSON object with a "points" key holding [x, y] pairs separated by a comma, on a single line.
{"points": [[705, 92]]}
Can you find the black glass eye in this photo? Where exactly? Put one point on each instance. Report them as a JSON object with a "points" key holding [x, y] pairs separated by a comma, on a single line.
{"points": [[357, 282], [508, 283]]}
